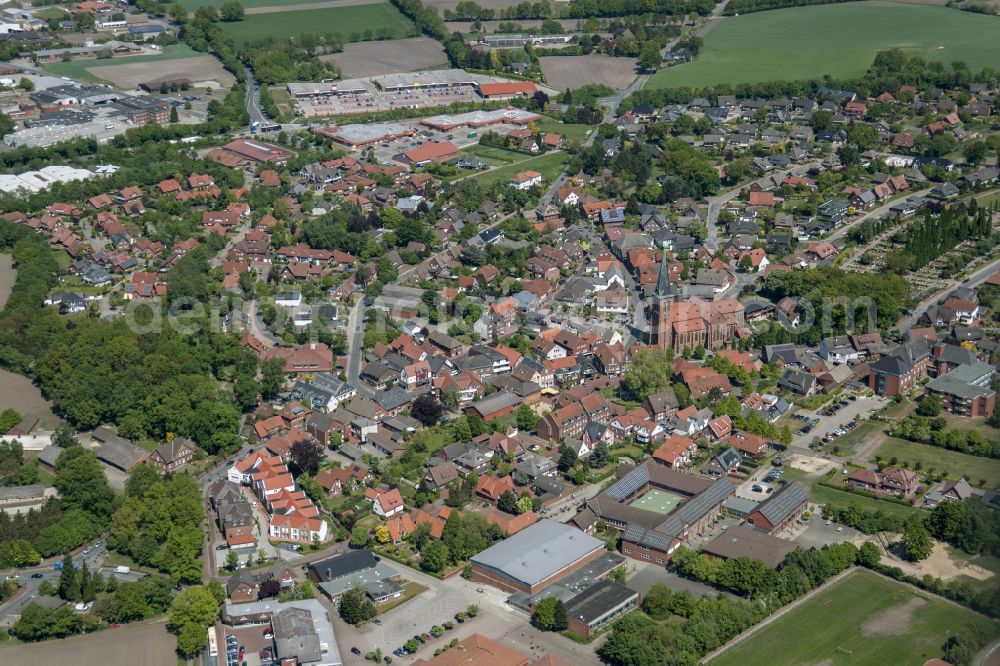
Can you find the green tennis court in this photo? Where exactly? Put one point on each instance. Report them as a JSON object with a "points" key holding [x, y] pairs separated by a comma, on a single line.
{"points": [[657, 501]]}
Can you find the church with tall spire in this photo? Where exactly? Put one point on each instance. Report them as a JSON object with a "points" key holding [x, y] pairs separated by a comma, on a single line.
{"points": [[661, 331], [692, 322]]}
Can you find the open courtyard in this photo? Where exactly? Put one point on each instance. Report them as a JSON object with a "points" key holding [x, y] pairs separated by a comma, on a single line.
{"points": [[657, 501]]}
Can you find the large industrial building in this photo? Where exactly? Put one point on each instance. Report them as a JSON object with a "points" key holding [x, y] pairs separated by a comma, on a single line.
{"points": [[535, 557]]}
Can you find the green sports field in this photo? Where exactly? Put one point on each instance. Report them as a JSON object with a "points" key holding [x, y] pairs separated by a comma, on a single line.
{"points": [[351, 22], [863, 619], [657, 501], [840, 40]]}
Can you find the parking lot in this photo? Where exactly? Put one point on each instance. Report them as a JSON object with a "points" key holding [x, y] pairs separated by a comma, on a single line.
{"points": [[651, 574], [817, 532], [432, 607], [251, 638], [764, 482], [438, 604], [823, 423]]}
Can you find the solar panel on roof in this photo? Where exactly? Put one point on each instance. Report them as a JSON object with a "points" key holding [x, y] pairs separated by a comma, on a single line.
{"points": [[629, 483]]}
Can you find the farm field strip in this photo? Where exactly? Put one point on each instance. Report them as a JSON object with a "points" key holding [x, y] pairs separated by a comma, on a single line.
{"points": [[840, 40], [350, 21]]}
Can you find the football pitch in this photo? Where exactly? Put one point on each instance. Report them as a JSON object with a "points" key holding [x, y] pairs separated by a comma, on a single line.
{"points": [[657, 501], [862, 619], [841, 40]]}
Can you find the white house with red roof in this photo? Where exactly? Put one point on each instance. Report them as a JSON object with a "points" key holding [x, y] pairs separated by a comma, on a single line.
{"points": [[385, 503]]}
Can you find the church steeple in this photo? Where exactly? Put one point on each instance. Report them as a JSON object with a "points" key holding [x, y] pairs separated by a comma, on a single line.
{"points": [[663, 288], [661, 334]]}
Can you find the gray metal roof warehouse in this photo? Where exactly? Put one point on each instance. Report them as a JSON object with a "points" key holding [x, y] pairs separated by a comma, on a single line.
{"points": [[538, 552]]}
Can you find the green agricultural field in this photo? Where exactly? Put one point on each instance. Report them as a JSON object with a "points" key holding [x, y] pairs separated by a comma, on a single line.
{"points": [[549, 165], [840, 40], [942, 460], [192, 5], [862, 619], [351, 22], [77, 69]]}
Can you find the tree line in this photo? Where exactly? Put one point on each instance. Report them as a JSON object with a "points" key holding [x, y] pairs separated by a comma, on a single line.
{"points": [[890, 70], [934, 431], [749, 6], [935, 235]]}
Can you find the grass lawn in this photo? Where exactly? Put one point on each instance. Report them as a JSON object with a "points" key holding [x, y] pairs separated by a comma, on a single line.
{"points": [[841, 498], [988, 198], [497, 155], [572, 132], [863, 619], [633, 452], [78, 69], [964, 423], [62, 259], [51, 13], [283, 101], [549, 165], [862, 433], [351, 21], [942, 460], [839, 40], [410, 590]]}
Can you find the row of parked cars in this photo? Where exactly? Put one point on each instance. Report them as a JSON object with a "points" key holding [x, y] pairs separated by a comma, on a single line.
{"points": [[834, 408], [234, 652], [809, 424], [843, 430]]}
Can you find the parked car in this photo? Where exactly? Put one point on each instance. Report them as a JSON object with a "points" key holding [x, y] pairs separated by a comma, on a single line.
{"points": [[36, 575], [355, 650]]}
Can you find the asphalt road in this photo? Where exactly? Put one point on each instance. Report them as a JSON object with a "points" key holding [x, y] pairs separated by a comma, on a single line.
{"points": [[879, 212], [94, 559], [976, 278]]}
